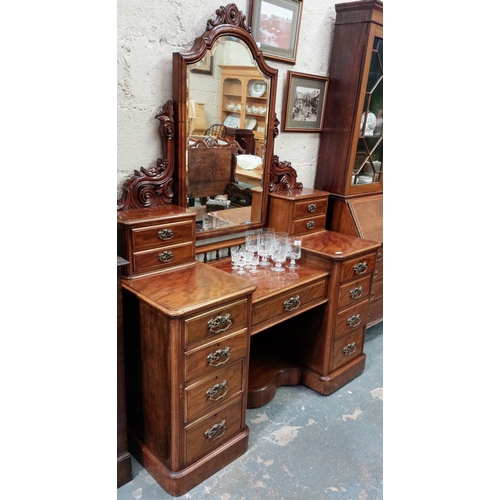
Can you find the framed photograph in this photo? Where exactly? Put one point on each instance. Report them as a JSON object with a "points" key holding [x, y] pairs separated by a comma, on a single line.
{"points": [[275, 27], [304, 102], [204, 66]]}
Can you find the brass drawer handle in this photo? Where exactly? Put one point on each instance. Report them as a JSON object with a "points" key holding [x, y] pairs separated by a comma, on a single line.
{"points": [[292, 303], [216, 356], [310, 224], [312, 207], [216, 431], [356, 293], [349, 349], [216, 325], [354, 321], [361, 268], [379, 256], [372, 295], [216, 390], [166, 256], [375, 274], [165, 234]]}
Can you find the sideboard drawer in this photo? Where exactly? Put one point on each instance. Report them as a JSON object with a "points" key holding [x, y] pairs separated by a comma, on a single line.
{"points": [[206, 394], [286, 303], [354, 291], [211, 358], [310, 208], [352, 318], [309, 225], [347, 348], [226, 318], [377, 290], [158, 258], [144, 238], [358, 268], [205, 435]]}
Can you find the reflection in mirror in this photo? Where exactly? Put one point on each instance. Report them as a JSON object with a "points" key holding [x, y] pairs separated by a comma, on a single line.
{"points": [[227, 120]]}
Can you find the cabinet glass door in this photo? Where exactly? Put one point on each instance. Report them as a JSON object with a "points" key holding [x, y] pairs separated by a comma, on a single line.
{"points": [[368, 162]]}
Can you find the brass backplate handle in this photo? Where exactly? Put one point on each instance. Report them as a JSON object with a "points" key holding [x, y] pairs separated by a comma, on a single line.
{"points": [[214, 358], [310, 224], [292, 303], [356, 292], [214, 393], [354, 321], [166, 256], [361, 268], [165, 234], [220, 324], [349, 349], [216, 431], [312, 207]]}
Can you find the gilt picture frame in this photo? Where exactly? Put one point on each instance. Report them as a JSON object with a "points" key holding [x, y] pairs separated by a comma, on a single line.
{"points": [[304, 102], [275, 27]]}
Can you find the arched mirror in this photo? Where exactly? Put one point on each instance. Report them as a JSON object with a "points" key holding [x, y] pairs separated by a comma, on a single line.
{"points": [[224, 97]]}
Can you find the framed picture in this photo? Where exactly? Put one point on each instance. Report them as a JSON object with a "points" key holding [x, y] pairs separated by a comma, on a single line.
{"points": [[305, 99], [275, 27], [205, 65]]}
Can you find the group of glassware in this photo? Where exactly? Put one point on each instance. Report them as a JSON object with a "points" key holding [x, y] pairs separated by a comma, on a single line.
{"points": [[262, 245]]}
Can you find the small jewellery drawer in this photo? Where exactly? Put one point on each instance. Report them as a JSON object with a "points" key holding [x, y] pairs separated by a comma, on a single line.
{"points": [[357, 268], [151, 260], [377, 290], [352, 318], [204, 435], [204, 395], [211, 358], [225, 318], [347, 348], [287, 302], [310, 208], [355, 291], [309, 225], [144, 238]]}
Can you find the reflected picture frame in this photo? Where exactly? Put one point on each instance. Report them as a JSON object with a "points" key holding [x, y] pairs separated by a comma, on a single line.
{"points": [[275, 27], [304, 102]]}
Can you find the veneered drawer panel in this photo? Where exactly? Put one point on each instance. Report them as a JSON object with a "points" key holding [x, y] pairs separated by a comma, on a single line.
{"points": [[158, 258], [377, 290], [310, 208], [224, 318], [162, 235], [212, 358], [352, 318], [204, 395], [204, 435], [357, 268], [354, 292], [285, 304], [379, 270], [309, 225], [347, 348]]}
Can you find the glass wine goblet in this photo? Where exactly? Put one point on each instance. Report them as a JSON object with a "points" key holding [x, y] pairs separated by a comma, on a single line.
{"points": [[266, 245], [235, 255], [279, 253], [294, 252]]}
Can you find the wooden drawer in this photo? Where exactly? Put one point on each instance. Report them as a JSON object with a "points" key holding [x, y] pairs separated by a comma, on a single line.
{"points": [[161, 235], [359, 267], [309, 225], [172, 255], [347, 348], [310, 208], [352, 318], [204, 435], [379, 270], [225, 318], [354, 292], [206, 394], [287, 303], [377, 290], [210, 358]]}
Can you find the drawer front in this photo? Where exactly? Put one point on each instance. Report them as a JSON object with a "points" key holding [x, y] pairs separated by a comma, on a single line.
{"points": [[309, 225], [161, 235], [379, 270], [358, 268], [163, 257], [310, 208], [352, 318], [226, 318], [215, 429], [377, 289], [347, 348], [205, 395], [211, 358], [354, 292], [285, 304]]}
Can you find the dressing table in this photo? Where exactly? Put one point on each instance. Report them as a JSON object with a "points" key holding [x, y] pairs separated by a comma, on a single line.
{"points": [[203, 343]]}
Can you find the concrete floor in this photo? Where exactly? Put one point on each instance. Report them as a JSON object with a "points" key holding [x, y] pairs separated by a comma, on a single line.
{"points": [[302, 446]]}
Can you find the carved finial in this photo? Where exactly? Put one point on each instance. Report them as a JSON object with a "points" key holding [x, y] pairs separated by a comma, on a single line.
{"points": [[166, 118], [228, 15], [283, 176]]}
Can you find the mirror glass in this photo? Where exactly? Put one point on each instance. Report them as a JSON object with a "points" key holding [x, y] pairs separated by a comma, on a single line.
{"points": [[227, 126]]}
